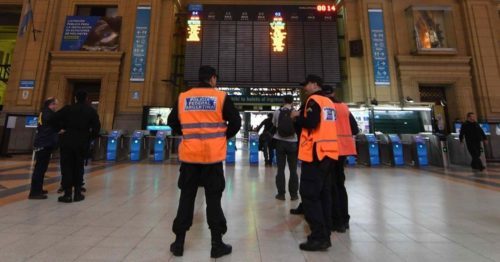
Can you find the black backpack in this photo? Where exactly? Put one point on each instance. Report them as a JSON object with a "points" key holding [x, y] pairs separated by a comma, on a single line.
{"points": [[285, 123]]}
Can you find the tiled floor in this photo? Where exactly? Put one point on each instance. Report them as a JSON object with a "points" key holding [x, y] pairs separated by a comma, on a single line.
{"points": [[401, 214]]}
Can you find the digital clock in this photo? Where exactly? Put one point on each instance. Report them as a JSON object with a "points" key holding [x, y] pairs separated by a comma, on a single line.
{"points": [[326, 8]]}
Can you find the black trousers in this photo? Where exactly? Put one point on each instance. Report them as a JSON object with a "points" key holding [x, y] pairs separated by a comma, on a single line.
{"points": [[42, 158], [340, 202], [268, 149], [475, 153], [287, 151], [72, 165], [315, 190], [211, 177]]}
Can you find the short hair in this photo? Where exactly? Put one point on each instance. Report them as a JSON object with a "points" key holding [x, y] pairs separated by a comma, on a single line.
{"points": [[288, 99], [49, 101], [270, 115], [469, 114], [81, 96], [206, 73]]}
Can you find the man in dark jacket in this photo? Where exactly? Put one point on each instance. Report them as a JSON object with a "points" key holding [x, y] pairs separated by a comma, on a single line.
{"points": [[81, 124], [45, 142], [266, 138], [474, 135]]}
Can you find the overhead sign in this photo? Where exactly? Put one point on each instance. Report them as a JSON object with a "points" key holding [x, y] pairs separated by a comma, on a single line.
{"points": [[91, 33], [278, 33], [379, 48], [194, 28], [141, 40], [274, 100]]}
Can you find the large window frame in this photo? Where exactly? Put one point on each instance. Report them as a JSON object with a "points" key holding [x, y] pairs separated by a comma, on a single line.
{"points": [[432, 30]]}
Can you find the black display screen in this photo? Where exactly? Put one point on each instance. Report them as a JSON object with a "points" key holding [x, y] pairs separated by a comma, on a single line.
{"points": [[237, 41]]}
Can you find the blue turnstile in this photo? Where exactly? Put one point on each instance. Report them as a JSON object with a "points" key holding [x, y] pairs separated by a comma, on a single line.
{"points": [[397, 150], [351, 160], [137, 145], [114, 145], [160, 146], [231, 151], [421, 151], [368, 150], [253, 146]]}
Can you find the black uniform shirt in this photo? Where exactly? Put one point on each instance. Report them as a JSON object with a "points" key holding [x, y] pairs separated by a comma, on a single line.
{"points": [[229, 114], [472, 132]]}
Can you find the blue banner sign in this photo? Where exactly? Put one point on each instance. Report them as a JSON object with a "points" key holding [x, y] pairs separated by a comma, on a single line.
{"points": [[195, 7], [140, 48], [31, 122], [379, 48], [91, 33], [27, 84]]}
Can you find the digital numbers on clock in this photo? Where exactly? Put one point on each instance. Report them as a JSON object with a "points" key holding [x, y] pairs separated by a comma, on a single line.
{"points": [[326, 8]]}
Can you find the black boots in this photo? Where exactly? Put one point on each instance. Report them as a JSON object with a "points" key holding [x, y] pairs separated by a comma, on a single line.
{"points": [[315, 245], [177, 248], [219, 248], [78, 195]]}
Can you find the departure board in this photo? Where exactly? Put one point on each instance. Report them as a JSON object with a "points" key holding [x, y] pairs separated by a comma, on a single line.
{"points": [[244, 47]]}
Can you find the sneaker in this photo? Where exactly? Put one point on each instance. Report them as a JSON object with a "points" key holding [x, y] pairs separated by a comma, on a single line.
{"points": [[65, 199], [177, 249], [37, 197], [220, 250], [315, 245], [280, 197], [78, 198]]}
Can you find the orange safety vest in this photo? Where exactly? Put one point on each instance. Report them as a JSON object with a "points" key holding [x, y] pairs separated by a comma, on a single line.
{"points": [[324, 136], [203, 127], [347, 146]]}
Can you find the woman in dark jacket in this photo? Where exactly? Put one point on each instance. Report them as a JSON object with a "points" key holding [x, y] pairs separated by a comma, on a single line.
{"points": [[46, 140]]}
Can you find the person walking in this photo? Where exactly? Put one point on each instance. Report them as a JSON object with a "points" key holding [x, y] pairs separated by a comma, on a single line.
{"points": [[46, 140], [346, 128], [81, 124], [286, 150], [317, 149], [266, 139], [206, 118], [474, 135]]}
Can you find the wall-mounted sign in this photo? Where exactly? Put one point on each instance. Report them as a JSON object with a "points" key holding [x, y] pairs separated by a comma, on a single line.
{"points": [[379, 48], [274, 100], [31, 122], [141, 40], [91, 33], [136, 95], [278, 33], [25, 95], [194, 28], [27, 84]]}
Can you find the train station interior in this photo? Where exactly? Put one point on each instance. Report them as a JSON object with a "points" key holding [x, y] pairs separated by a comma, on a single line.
{"points": [[413, 75]]}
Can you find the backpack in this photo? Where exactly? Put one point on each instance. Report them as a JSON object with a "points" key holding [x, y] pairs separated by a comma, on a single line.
{"points": [[285, 123]]}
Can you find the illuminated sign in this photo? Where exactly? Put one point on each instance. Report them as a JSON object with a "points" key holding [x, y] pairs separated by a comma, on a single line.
{"points": [[326, 8], [278, 34], [194, 28]]}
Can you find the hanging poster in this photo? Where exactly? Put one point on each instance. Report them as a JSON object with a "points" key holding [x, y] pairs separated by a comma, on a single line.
{"points": [[91, 33], [140, 48], [379, 48]]}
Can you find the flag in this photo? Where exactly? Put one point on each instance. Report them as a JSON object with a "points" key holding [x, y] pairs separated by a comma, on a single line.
{"points": [[27, 18]]}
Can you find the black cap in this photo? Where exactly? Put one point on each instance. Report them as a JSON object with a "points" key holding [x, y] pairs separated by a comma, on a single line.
{"points": [[206, 72], [328, 89], [312, 79]]}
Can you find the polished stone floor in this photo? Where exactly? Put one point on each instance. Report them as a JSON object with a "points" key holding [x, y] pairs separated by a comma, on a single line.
{"points": [[401, 214]]}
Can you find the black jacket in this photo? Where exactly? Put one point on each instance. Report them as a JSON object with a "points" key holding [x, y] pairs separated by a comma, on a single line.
{"points": [[46, 134], [472, 132], [81, 124], [229, 113]]}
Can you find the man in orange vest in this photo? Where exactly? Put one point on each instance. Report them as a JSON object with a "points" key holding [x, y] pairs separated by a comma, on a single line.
{"points": [[346, 128], [317, 149], [206, 118]]}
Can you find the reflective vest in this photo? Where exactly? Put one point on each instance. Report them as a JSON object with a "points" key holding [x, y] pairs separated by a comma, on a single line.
{"points": [[203, 127], [323, 137], [347, 146]]}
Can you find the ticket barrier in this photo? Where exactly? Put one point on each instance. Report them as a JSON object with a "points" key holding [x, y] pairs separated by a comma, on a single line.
{"points": [[160, 146], [138, 145], [492, 148], [458, 151], [391, 150], [231, 151], [368, 150], [99, 148], [351, 160], [253, 144], [437, 149], [415, 150], [116, 149]]}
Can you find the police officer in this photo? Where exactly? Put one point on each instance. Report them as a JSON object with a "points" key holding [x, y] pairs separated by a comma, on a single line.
{"points": [[81, 124], [346, 128], [206, 118], [317, 149], [46, 140]]}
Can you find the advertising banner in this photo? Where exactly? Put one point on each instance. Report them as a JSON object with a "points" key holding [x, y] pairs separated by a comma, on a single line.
{"points": [[379, 48], [140, 48], [91, 33]]}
